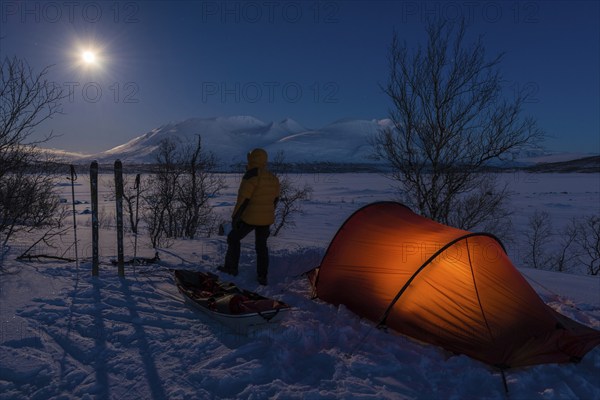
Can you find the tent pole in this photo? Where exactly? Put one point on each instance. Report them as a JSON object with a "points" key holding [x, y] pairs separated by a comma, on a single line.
{"points": [[504, 381]]}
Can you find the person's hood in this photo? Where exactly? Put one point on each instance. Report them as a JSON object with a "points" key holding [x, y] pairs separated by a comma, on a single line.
{"points": [[257, 158]]}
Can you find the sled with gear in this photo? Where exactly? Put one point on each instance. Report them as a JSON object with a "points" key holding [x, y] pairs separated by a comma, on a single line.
{"points": [[444, 286], [240, 310]]}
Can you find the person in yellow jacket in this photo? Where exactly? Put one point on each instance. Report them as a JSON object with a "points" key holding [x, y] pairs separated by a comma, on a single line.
{"points": [[254, 211]]}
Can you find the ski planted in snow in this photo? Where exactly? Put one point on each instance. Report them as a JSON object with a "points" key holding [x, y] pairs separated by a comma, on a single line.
{"points": [[137, 207], [119, 201], [73, 179], [94, 190]]}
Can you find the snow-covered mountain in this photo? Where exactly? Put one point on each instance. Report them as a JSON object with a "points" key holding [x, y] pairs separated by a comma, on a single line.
{"points": [[346, 141], [230, 138]]}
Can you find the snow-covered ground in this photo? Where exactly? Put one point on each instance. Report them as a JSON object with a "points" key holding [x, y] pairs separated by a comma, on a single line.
{"points": [[66, 335]]}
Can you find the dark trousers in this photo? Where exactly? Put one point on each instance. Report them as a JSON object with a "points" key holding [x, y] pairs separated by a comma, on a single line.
{"points": [[261, 234]]}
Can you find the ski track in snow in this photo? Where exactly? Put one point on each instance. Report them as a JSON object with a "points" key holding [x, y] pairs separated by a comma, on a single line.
{"points": [[66, 335]]}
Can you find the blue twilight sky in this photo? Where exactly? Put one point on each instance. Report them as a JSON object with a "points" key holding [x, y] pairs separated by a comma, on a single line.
{"points": [[313, 61]]}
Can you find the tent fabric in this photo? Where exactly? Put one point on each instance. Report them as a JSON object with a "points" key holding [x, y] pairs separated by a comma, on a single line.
{"points": [[444, 286]]}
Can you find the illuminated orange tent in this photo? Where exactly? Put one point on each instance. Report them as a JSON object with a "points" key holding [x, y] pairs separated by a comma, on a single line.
{"points": [[444, 286]]}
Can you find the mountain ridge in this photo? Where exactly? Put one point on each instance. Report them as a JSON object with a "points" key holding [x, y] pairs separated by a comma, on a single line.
{"points": [[230, 138], [346, 141]]}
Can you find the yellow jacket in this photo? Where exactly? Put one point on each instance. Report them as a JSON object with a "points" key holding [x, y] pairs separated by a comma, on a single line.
{"points": [[258, 192]]}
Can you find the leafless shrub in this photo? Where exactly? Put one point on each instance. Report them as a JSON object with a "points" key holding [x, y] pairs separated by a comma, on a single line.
{"points": [[540, 230], [291, 195], [176, 200], [50, 240], [577, 245], [566, 253], [587, 240], [132, 189]]}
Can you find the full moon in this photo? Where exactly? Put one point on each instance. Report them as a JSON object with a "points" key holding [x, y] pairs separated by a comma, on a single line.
{"points": [[88, 57]]}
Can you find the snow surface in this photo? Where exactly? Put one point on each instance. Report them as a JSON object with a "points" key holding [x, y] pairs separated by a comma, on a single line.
{"points": [[66, 335]]}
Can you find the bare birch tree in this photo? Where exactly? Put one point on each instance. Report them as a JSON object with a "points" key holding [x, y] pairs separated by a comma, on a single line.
{"points": [[450, 119], [27, 99]]}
